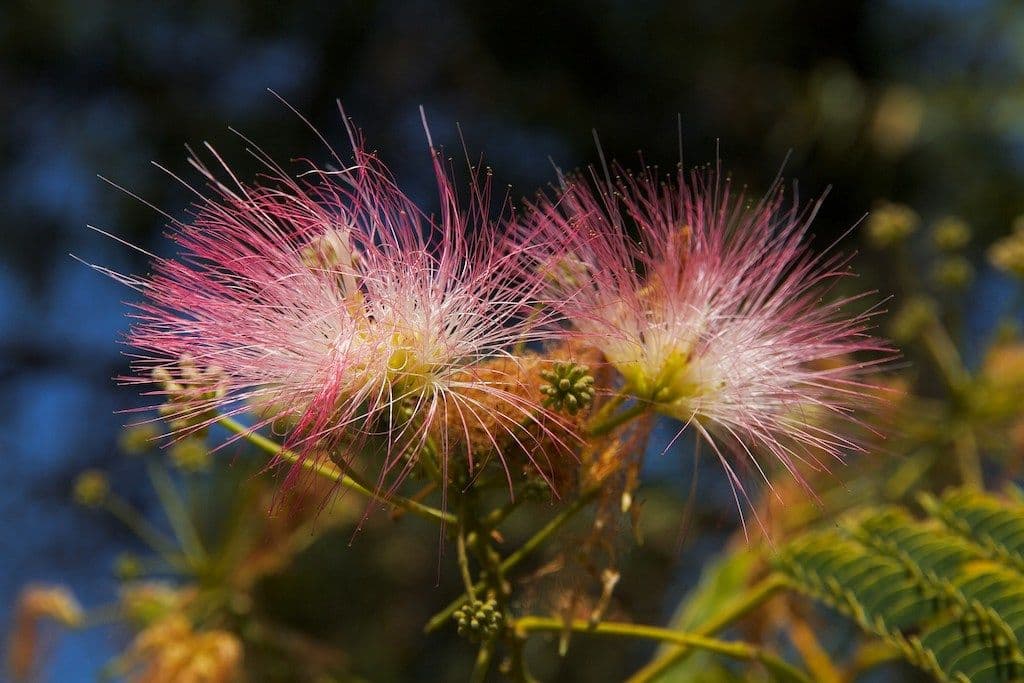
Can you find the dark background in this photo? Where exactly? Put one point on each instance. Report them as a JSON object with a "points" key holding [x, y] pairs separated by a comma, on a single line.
{"points": [[920, 102]]}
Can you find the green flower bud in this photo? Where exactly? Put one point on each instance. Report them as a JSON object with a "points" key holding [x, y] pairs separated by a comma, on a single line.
{"points": [[91, 488], [890, 224], [568, 386], [190, 455], [954, 272], [951, 233], [138, 439], [911, 320], [479, 620]]}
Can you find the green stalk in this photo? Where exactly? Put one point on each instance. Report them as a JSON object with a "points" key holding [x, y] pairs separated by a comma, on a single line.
{"points": [[966, 448], [532, 544], [483, 661], [460, 546], [732, 612], [141, 527], [177, 514], [779, 668], [946, 356], [331, 472], [602, 427]]}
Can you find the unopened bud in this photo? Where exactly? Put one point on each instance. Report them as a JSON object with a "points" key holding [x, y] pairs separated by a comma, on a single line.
{"points": [[954, 272], [479, 620], [912, 319], [91, 488], [890, 224], [190, 455], [951, 233], [568, 386], [139, 439]]}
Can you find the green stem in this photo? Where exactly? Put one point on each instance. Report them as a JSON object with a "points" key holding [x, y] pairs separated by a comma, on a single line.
{"points": [[602, 427], [732, 612], [966, 449], [549, 529], [483, 661], [778, 667], [134, 520], [946, 356], [519, 671], [331, 472], [177, 514], [609, 406], [532, 544], [460, 545]]}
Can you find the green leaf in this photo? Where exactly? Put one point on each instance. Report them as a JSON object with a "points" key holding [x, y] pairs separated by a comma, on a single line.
{"points": [[946, 591]]}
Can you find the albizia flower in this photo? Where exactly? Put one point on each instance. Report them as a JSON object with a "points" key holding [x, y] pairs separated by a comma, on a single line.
{"points": [[337, 307], [712, 310]]}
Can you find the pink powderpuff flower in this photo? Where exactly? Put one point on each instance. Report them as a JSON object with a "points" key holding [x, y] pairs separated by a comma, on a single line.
{"points": [[339, 308], [711, 309]]}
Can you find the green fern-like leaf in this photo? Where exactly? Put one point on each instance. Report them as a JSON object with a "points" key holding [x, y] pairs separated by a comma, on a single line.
{"points": [[947, 591], [995, 525]]}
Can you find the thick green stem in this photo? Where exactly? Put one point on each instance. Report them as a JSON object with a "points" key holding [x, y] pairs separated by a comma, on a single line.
{"points": [[602, 427], [483, 661], [532, 544], [331, 472], [778, 667], [732, 612]]}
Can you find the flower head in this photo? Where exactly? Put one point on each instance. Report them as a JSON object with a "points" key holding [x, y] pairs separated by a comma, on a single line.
{"points": [[333, 305], [711, 309]]}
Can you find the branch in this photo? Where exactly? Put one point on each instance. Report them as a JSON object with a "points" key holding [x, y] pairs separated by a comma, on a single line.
{"points": [[331, 472], [779, 668]]}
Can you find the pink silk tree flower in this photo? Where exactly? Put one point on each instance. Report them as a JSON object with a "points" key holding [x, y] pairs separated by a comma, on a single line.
{"points": [[711, 309], [341, 310]]}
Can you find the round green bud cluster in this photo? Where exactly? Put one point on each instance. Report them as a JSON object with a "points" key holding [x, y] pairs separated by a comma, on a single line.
{"points": [[954, 272], [569, 386], [139, 439], [478, 619], [951, 233], [190, 455], [91, 489], [912, 319], [890, 224]]}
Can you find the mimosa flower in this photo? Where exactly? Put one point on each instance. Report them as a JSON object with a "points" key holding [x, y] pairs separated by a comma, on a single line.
{"points": [[712, 310], [336, 306]]}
